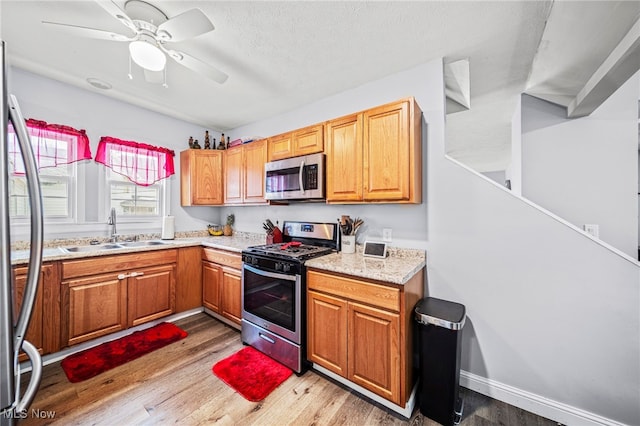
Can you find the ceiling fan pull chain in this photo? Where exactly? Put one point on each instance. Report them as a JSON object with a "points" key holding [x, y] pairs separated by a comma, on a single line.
{"points": [[165, 78], [130, 75]]}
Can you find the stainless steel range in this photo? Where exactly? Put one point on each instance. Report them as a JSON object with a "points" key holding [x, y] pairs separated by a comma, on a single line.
{"points": [[274, 291]]}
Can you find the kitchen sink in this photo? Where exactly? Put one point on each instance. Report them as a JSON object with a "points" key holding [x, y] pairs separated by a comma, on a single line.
{"points": [[90, 248], [142, 243], [111, 246]]}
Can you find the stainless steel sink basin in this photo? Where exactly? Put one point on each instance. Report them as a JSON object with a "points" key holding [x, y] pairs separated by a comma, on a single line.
{"points": [[111, 246], [97, 247], [142, 243]]}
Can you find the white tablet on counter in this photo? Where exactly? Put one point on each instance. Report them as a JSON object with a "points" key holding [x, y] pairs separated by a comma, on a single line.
{"points": [[375, 249]]}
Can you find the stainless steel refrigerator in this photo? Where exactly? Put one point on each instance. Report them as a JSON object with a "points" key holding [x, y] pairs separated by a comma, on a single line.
{"points": [[13, 325]]}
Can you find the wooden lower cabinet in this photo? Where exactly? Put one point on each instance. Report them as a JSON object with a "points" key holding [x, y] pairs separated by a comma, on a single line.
{"points": [[100, 296], [327, 333], [222, 284], [231, 295], [93, 307], [151, 294], [374, 361], [362, 330], [42, 331]]}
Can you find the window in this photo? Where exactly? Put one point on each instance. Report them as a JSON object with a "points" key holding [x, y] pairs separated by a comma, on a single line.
{"points": [[132, 200], [56, 149], [135, 176]]}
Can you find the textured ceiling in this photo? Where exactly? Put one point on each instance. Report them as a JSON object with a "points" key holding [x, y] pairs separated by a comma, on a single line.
{"points": [[282, 55]]}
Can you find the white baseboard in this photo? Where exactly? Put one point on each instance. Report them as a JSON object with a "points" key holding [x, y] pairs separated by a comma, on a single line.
{"points": [[405, 411], [545, 407]]}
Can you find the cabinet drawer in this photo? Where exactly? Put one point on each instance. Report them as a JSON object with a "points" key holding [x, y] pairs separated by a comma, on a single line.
{"points": [[222, 257], [361, 291], [123, 262]]}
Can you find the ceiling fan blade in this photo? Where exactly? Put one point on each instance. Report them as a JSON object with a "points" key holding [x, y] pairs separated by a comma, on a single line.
{"points": [[115, 11], [75, 30], [196, 65], [156, 77], [187, 25]]}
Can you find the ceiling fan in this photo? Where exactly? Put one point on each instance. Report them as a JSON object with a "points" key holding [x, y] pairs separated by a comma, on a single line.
{"points": [[152, 29]]}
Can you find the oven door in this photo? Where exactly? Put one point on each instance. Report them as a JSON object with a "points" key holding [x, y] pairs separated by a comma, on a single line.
{"points": [[273, 301]]}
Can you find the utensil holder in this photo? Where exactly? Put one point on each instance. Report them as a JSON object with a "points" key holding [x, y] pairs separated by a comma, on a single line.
{"points": [[348, 244]]}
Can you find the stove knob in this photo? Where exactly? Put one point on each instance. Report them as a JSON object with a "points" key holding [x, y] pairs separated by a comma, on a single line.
{"points": [[286, 267], [278, 266]]}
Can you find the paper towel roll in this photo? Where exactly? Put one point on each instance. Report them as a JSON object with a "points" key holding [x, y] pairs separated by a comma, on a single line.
{"points": [[168, 228]]}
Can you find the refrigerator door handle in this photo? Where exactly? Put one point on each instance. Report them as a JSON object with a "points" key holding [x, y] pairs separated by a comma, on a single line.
{"points": [[35, 261], [36, 377], [35, 203]]}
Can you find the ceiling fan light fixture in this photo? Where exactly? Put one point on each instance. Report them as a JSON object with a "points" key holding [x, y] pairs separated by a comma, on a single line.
{"points": [[147, 54]]}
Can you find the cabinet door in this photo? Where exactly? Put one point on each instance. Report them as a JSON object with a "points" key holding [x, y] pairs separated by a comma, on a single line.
{"points": [[309, 140], [231, 295], [387, 152], [201, 177], [374, 352], [280, 147], [150, 294], [255, 155], [211, 286], [327, 332], [92, 307], [344, 159], [35, 332], [233, 175]]}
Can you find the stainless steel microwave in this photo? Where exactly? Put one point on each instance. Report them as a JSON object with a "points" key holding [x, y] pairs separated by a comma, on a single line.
{"points": [[297, 178]]}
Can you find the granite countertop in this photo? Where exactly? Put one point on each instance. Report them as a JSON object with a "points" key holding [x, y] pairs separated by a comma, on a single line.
{"points": [[397, 268], [52, 250]]}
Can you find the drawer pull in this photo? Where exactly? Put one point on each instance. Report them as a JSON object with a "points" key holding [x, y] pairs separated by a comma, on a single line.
{"points": [[267, 338]]}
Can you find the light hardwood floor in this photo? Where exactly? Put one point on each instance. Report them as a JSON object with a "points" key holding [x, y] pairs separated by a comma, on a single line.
{"points": [[175, 385]]}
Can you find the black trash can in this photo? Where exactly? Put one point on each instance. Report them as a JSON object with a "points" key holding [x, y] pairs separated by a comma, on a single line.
{"points": [[440, 325]]}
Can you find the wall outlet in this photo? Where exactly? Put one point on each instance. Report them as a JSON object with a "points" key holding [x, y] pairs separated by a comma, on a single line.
{"points": [[592, 229], [386, 235]]}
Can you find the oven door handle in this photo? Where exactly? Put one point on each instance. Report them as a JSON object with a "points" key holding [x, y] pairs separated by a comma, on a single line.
{"points": [[269, 274]]}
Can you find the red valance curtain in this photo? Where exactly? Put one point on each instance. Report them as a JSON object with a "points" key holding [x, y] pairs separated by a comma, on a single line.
{"points": [[141, 163], [53, 144]]}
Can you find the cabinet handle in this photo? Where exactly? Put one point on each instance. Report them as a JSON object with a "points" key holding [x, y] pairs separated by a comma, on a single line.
{"points": [[131, 275]]}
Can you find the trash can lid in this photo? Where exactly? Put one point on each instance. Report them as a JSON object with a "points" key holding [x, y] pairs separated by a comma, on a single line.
{"points": [[441, 313]]}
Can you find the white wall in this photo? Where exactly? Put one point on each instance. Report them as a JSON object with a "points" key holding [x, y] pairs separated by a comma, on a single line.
{"points": [[55, 102], [585, 169]]}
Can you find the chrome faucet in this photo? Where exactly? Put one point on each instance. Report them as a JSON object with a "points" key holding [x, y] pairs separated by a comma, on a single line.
{"points": [[112, 221]]}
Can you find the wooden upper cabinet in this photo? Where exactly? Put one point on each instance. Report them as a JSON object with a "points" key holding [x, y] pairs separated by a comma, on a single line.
{"points": [[255, 155], [244, 177], [280, 147], [344, 159], [378, 158], [308, 140], [201, 177], [233, 175]]}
